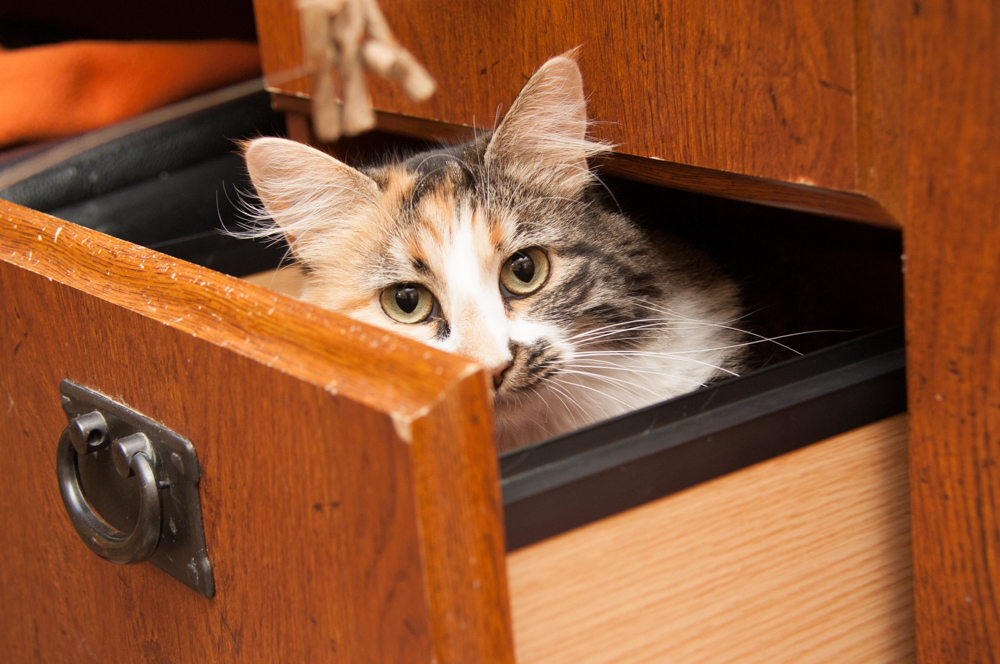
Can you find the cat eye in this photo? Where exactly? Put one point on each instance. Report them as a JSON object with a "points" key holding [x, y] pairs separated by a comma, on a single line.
{"points": [[525, 272], [407, 303]]}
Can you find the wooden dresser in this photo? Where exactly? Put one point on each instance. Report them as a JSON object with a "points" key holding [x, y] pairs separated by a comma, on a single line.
{"points": [[350, 493], [882, 112]]}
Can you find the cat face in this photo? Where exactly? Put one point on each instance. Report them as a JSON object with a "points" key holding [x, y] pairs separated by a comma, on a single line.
{"points": [[497, 250]]}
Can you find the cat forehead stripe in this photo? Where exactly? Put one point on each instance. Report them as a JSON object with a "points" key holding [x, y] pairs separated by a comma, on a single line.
{"points": [[439, 170], [396, 185]]}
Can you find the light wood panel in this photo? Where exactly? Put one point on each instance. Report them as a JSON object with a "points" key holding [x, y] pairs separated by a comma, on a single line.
{"points": [[286, 280], [952, 241], [349, 490], [803, 558]]}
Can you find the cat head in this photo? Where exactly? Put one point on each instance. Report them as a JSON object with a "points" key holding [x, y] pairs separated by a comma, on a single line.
{"points": [[498, 250]]}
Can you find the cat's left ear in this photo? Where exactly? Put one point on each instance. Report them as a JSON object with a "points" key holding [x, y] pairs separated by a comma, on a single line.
{"points": [[543, 138], [310, 195]]}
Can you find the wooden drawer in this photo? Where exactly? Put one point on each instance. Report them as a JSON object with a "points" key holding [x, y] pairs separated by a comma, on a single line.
{"points": [[349, 489], [790, 103], [353, 504], [352, 500], [868, 110]]}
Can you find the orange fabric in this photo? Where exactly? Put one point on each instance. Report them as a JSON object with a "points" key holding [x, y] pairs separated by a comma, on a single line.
{"points": [[69, 88]]}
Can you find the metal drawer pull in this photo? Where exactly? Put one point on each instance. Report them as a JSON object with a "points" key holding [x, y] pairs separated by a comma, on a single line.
{"points": [[132, 455], [116, 466]]}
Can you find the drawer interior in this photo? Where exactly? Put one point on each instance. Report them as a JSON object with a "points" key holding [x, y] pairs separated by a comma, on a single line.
{"points": [[171, 187], [808, 281], [824, 296]]}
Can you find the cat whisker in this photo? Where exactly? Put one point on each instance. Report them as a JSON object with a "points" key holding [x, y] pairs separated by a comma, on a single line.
{"points": [[560, 390], [602, 343], [672, 312], [761, 340], [598, 330], [639, 353], [611, 336], [725, 326], [615, 336], [628, 386], [652, 324], [562, 380], [696, 350], [600, 181], [496, 117], [611, 366]]}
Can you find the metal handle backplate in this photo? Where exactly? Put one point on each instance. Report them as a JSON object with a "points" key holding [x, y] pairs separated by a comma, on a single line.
{"points": [[162, 489]]}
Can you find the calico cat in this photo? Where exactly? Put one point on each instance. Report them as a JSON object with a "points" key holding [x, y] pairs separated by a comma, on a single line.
{"points": [[503, 250]]}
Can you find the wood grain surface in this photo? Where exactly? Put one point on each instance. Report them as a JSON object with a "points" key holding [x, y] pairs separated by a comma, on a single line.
{"points": [[952, 243], [803, 558], [349, 490], [879, 108], [786, 92], [775, 193]]}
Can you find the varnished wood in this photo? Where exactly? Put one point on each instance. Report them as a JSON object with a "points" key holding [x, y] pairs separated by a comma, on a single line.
{"points": [[804, 558], [392, 123], [221, 309], [719, 85], [789, 195], [802, 94], [952, 241], [879, 94], [297, 126], [349, 488], [280, 43], [923, 145]]}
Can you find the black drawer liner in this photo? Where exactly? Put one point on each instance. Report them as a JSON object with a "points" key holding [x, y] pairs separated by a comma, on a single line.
{"points": [[172, 187]]}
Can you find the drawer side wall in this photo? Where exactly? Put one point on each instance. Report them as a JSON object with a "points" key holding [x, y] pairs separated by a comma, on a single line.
{"points": [[803, 558]]}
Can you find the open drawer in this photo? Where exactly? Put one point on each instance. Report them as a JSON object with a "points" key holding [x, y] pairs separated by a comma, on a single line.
{"points": [[353, 506]]}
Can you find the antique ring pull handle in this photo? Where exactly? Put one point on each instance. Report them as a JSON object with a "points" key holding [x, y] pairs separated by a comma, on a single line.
{"points": [[131, 454]]}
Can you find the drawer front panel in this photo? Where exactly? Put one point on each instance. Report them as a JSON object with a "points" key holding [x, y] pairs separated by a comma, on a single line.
{"points": [[321, 485], [762, 89]]}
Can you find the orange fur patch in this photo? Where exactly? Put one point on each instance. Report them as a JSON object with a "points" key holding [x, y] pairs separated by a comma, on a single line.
{"points": [[399, 185]]}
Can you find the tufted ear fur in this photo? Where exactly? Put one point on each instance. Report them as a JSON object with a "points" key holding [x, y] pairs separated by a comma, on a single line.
{"points": [[543, 138], [309, 194]]}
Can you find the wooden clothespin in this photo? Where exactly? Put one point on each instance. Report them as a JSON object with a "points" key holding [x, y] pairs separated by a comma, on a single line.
{"points": [[342, 38]]}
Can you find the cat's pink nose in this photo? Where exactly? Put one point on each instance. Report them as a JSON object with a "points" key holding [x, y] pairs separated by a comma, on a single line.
{"points": [[498, 375]]}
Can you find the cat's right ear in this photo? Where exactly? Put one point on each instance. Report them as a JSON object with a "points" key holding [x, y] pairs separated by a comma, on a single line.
{"points": [[308, 193], [543, 138]]}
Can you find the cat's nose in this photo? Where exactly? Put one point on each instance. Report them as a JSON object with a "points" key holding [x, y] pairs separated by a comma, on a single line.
{"points": [[499, 373]]}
